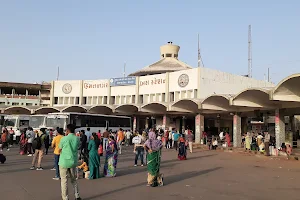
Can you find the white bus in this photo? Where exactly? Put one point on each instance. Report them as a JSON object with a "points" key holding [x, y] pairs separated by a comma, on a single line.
{"points": [[24, 121], [82, 121]]}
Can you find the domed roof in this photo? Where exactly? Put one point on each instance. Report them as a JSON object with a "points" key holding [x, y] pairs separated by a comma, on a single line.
{"points": [[168, 63]]}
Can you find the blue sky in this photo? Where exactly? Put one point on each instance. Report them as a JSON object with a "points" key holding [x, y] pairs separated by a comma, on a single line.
{"points": [[93, 39]]}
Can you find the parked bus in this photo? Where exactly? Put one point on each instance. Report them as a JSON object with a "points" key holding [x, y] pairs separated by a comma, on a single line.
{"points": [[24, 121], [82, 121]]}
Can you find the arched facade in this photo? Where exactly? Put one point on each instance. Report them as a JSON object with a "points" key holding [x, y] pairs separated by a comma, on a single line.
{"points": [[127, 108], [17, 110], [101, 109], [217, 102], [156, 108], [46, 110], [288, 89], [253, 97], [78, 109], [185, 105]]}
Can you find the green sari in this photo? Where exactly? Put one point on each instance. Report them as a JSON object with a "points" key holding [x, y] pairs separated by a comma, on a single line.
{"points": [[94, 160], [153, 165]]}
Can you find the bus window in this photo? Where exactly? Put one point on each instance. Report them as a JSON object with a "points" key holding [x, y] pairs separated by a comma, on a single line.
{"points": [[36, 121], [10, 122], [24, 123], [55, 122]]}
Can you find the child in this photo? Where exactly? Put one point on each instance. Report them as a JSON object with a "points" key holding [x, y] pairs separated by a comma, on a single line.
{"points": [[2, 158], [83, 167]]}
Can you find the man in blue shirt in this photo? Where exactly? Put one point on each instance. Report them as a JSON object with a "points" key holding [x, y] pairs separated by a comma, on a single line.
{"points": [[176, 138]]}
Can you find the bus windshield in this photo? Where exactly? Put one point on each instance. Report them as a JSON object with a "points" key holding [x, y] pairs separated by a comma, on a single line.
{"points": [[36, 121], [55, 122], [10, 122]]}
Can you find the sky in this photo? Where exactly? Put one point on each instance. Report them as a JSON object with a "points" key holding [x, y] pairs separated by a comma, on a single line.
{"points": [[93, 39]]}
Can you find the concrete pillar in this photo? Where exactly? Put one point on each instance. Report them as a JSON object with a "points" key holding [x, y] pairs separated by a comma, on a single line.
{"points": [[81, 93], [237, 131], [52, 94], [137, 90], [183, 124], [167, 93], [134, 123], [279, 127], [199, 127], [147, 123]]}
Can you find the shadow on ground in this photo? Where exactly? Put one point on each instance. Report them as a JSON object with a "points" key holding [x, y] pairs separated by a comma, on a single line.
{"points": [[168, 181]]}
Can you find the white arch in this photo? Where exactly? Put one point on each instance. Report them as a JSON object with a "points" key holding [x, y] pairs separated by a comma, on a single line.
{"points": [[287, 89], [74, 108]]}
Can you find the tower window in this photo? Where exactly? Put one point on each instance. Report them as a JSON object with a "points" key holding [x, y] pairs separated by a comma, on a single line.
{"points": [[168, 55], [163, 55]]}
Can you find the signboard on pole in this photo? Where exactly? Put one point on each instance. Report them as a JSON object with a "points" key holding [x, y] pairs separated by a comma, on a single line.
{"points": [[122, 81]]}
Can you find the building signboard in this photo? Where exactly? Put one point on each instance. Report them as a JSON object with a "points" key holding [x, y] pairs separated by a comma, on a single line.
{"points": [[122, 81]]}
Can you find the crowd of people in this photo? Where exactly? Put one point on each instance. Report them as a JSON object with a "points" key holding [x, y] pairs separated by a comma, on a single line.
{"points": [[81, 151]]}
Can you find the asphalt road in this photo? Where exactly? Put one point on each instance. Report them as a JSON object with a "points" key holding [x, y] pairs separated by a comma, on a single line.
{"points": [[205, 175]]}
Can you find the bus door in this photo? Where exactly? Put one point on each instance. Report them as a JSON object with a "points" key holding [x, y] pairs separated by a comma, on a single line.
{"points": [[106, 125]]}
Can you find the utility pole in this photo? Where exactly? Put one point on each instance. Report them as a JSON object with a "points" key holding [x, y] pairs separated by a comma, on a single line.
{"points": [[249, 53]]}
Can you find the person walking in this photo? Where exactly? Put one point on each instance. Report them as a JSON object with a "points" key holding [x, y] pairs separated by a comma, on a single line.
{"points": [[120, 139], [128, 136], [94, 158], [11, 137], [30, 137], [39, 145], [267, 143], [176, 138], [190, 139], [55, 146], [68, 161], [18, 136], [111, 158], [138, 149], [105, 139], [4, 139], [153, 146], [83, 145]]}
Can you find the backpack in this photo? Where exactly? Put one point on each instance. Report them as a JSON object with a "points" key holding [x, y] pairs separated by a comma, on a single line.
{"points": [[37, 142]]}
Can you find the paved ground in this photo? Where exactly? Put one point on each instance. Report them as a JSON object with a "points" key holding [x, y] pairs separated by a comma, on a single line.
{"points": [[205, 175]]}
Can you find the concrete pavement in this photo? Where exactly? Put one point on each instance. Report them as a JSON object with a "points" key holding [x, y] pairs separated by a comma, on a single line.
{"points": [[205, 175]]}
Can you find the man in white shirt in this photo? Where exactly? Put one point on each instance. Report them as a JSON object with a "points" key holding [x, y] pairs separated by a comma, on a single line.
{"points": [[128, 136], [138, 149], [88, 134], [221, 135], [18, 135]]}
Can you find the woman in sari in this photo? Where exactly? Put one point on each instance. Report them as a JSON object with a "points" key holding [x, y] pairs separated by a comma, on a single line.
{"points": [[23, 143], [248, 140], [94, 158], [111, 158], [182, 149], [227, 138], [153, 146]]}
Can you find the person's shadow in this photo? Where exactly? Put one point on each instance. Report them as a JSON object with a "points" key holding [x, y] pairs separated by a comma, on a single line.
{"points": [[167, 181]]}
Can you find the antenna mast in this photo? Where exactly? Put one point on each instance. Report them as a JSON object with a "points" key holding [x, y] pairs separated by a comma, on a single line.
{"points": [[57, 77], [249, 53], [124, 72], [199, 54], [268, 74]]}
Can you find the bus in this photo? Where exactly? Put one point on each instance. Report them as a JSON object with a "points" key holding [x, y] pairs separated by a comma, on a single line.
{"points": [[24, 121], [82, 121]]}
